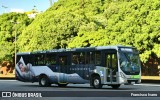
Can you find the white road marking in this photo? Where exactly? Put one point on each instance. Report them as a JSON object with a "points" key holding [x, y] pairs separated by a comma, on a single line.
{"points": [[148, 84], [7, 80]]}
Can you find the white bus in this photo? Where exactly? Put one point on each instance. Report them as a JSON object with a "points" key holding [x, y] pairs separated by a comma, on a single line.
{"points": [[98, 66]]}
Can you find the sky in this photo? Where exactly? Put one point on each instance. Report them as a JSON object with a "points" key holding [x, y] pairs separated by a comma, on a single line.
{"points": [[23, 5]]}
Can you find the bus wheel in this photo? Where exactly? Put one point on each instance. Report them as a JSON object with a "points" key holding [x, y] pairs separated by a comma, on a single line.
{"points": [[62, 85], [44, 81], [97, 82], [115, 86]]}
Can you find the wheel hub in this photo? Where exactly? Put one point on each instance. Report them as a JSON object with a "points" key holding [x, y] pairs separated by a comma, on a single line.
{"points": [[43, 81], [96, 82]]}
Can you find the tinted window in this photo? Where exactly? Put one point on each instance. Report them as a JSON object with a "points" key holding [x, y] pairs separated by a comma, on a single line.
{"points": [[50, 59], [78, 58], [63, 60], [98, 58], [90, 58], [39, 59]]}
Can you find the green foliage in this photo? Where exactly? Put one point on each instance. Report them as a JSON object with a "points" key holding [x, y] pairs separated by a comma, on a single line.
{"points": [[8, 30], [81, 23], [135, 23]]}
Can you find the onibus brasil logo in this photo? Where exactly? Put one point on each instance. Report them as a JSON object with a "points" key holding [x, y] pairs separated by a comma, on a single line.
{"points": [[21, 94]]}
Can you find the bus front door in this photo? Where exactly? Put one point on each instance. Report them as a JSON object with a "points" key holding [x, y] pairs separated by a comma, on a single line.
{"points": [[62, 69], [112, 66]]}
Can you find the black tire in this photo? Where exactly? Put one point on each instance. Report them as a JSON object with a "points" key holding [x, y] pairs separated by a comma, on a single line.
{"points": [[44, 81], [115, 86], [62, 85], [97, 82]]}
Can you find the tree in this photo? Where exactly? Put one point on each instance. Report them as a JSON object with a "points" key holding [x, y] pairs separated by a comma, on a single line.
{"points": [[8, 31], [81, 23], [133, 23]]}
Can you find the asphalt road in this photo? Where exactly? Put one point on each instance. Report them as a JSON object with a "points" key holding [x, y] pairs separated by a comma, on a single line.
{"points": [[83, 91]]}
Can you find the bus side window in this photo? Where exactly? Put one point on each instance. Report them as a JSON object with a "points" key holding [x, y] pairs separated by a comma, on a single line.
{"points": [[90, 58], [75, 59], [98, 58], [78, 58], [39, 60], [50, 59], [82, 58], [63, 60]]}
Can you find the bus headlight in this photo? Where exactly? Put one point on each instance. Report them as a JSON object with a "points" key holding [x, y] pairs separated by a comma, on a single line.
{"points": [[95, 70]]}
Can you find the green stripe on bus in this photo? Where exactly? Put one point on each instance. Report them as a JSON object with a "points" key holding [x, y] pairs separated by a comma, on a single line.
{"points": [[135, 76]]}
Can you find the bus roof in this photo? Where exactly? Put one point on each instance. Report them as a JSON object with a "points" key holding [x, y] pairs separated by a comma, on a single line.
{"points": [[76, 49]]}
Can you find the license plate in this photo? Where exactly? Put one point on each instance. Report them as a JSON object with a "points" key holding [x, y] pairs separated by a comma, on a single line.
{"points": [[132, 82]]}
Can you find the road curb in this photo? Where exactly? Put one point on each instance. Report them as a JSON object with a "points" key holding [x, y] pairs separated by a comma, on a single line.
{"points": [[8, 78], [150, 81]]}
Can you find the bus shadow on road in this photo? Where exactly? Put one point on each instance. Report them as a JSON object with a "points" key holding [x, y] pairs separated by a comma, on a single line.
{"points": [[81, 88], [91, 88]]}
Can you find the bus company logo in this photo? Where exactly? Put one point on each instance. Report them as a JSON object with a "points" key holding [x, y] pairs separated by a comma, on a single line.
{"points": [[6, 94]]}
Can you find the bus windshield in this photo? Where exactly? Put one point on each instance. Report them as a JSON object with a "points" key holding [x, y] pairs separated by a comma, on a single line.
{"points": [[130, 63]]}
